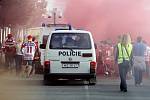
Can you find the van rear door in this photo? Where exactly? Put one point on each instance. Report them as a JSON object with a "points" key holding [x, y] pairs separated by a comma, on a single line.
{"points": [[70, 53], [63, 62]]}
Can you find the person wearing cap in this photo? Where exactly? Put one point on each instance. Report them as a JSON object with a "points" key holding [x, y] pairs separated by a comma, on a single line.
{"points": [[9, 51], [28, 49]]}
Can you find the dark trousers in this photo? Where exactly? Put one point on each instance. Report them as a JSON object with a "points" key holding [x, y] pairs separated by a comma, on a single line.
{"points": [[123, 70], [147, 68], [138, 75], [18, 61], [9, 61]]}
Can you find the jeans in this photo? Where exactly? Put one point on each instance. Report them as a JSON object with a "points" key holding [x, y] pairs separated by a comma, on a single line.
{"points": [[138, 75], [123, 70]]}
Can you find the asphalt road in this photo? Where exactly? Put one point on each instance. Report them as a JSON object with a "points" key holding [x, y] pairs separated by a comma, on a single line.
{"points": [[18, 88]]}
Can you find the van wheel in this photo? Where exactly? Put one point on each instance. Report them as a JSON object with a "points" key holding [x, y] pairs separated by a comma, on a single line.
{"points": [[92, 81], [46, 80]]}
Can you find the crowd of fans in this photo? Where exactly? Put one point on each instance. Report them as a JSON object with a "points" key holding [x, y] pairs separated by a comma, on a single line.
{"points": [[106, 54], [23, 57]]}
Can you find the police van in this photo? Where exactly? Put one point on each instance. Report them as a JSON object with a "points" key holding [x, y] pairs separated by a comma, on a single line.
{"points": [[70, 54]]}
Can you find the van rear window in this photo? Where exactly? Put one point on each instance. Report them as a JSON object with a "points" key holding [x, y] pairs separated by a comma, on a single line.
{"points": [[70, 41]]}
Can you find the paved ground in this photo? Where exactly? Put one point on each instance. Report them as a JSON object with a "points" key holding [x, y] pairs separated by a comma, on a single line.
{"points": [[107, 88]]}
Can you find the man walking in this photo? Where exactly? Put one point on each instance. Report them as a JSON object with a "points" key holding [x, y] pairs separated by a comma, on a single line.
{"points": [[28, 49], [139, 60], [10, 51]]}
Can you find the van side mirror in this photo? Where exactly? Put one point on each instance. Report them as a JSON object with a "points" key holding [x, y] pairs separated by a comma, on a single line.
{"points": [[43, 46], [95, 45]]}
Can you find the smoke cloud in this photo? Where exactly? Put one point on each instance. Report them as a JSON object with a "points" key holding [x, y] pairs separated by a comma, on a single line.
{"points": [[106, 19]]}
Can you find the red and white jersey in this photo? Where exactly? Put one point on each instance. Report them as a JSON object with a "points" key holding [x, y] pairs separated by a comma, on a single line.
{"points": [[28, 50], [147, 54], [9, 46], [9, 42], [36, 42]]}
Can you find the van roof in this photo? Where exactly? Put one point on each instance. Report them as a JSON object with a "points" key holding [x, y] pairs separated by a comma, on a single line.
{"points": [[70, 31]]}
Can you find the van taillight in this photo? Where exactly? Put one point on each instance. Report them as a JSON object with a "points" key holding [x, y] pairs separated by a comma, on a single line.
{"points": [[46, 67], [93, 67], [47, 64]]}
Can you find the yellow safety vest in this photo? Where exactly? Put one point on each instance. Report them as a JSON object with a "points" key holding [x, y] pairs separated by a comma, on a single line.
{"points": [[122, 52]]}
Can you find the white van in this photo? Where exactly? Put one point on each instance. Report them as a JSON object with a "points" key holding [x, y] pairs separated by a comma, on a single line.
{"points": [[70, 54]]}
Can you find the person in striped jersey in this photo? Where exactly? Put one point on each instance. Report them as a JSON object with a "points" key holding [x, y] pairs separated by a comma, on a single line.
{"points": [[28, 49]]}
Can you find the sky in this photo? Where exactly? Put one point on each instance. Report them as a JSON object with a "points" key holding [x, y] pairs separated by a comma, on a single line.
{"points": [[107, 19]]}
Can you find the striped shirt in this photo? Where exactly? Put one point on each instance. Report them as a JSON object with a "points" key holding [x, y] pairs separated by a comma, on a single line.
{"points": [[147, 54], [28, 50]]}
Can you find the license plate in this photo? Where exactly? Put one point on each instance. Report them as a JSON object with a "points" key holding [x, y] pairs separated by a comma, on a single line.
{"points": [[70, 65]]}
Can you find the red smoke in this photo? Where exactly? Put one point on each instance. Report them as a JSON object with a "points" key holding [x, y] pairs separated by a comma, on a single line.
{"points": [[109, 18]]}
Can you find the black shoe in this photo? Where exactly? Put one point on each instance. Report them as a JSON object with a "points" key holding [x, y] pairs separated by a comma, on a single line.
{"points": [[121, 89], [125, 90]]}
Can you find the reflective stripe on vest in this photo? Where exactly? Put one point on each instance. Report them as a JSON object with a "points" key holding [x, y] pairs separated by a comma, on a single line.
{"points": [[122, 53]]}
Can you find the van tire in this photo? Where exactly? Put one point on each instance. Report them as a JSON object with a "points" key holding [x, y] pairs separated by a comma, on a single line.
{"points": [[92, 81], [46, 80]]}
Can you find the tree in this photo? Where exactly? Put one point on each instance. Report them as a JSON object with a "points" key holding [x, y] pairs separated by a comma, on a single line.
{"points": [[21, 12]]}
